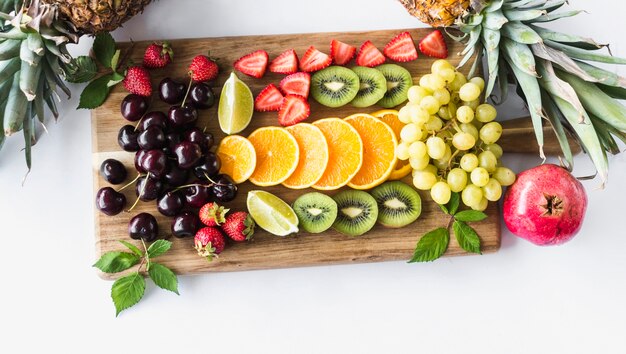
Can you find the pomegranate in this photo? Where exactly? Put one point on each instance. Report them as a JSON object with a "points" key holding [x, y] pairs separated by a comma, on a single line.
{"points": [[546, 205]]}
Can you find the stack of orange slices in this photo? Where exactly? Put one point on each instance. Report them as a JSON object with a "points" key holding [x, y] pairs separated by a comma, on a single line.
{"points": [[357, 151]]}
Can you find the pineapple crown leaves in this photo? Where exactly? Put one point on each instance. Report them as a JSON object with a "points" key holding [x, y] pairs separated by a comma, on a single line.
{"points": [[552, 73]]}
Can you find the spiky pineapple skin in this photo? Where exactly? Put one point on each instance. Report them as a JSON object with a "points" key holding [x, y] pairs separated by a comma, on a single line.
{"points": [[437, 13]]}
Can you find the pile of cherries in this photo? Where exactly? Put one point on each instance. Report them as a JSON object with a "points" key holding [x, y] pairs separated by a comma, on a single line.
{"points": [[173, 158]]}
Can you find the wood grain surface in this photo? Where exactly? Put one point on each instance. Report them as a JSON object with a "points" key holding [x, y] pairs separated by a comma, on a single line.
{"points": [[267, 251]]}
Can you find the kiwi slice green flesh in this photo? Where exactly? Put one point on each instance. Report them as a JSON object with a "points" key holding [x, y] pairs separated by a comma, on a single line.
{"points": [[357, 213], [399, 80], [372, 86], [316, 212], [398, 204], [334, 86]]}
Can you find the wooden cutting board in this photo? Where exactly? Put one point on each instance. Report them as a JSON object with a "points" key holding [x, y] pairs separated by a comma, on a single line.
{"points": [[267, 251]]}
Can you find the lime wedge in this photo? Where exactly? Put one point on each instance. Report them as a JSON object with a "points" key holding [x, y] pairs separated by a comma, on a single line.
{"points": [[271, 213], [236, 106]]}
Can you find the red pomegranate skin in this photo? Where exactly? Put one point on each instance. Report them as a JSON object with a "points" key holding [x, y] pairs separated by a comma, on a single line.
{"points": [[546, 205]]}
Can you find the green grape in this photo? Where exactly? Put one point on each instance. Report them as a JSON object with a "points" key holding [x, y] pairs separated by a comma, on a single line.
{"points": [[419, 163], [469, 92], [441, 164], [442, 95], [478, 81], [404, 114], [469, 129], [457, 179], [436, 82], [425, 81], [433, 124], [472, 104], [410, 133], [424, 180], [482, 205], [452, 107], [488, 161], [458, 82], [430, 104], [432, 169], [447, 155], [418, 114], [464, 114], [479, 176], [440, 192], [417, 149], [444, 112], [402, 151], [447, 75], [436, 147], [439, 65], [491, 132], [486, 113], [471, 195], [463, 141], [492, 190], [469, 162], [416, 93], [477, 125], [504, 176], [496, 149]]}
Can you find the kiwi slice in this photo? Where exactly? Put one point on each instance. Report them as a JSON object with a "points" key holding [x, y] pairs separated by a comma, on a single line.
{"points": [[316, 212], [372, 86], [398, 204], [334, 86], [357, 213], [399, 80]]}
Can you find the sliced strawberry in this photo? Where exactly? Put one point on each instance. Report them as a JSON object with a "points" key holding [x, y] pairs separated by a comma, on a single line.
{"points": [[286, 63], [401, 48], [294, 110], [314, 60], [296, 84], [253, 64], [369, 55], [270, 99], [434, 45], [341, 53]]}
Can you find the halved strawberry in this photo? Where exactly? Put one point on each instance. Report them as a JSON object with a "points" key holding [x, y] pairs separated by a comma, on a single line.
{"points": [[294, 110], [434, 45], [270, 99], [296, 84], [253, 64], [286, 63], [341, 52], [314, 60], [369, 55], [401, 48]]}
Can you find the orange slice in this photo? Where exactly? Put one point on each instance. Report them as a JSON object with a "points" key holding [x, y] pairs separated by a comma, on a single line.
{"points": [[379, 150], [313, 156], [345, 153], [277, 155], [390, 116], [238, 157]]}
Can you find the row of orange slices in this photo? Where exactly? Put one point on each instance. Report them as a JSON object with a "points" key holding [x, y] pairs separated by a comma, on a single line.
{"points": [[358, 151]]}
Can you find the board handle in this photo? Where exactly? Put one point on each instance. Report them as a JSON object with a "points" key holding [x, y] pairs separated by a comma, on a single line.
{"points": [[518, 136]]}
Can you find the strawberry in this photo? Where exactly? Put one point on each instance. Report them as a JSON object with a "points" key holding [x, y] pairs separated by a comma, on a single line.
{"points": [[434, 45], [401, 48], [270, 99], [294, 110], [341, 53], [296, 84], [212, 214], [286, 63], [239, 226], [137, 81], [209, 242], [158, 55], [253, 64], [203, 68], [369, 55], [314, 60]]}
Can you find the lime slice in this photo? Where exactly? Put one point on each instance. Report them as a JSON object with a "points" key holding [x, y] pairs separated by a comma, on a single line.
{"points": [[236, 106], [271, 213]]}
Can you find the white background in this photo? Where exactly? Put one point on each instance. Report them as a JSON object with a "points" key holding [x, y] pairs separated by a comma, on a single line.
{"points": [[523, 299]]}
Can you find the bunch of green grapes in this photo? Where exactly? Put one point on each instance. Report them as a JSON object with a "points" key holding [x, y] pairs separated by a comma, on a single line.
{"points": [[450, 139]]}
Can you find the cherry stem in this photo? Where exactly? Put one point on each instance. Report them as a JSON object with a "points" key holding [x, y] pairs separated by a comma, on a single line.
{"points": [[188, 89], [129, 183], [143, 188]]}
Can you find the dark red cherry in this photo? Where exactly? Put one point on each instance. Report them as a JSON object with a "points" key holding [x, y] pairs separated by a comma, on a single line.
{"points": [[171, 139], [224, 189], [148, 188], [127, 138], [201, 95], [181, 117], [153, 118], [155, 163], [110, 201], [171, 203], [143, 226], [113, 171], [134, 107], [175, 176], [151, 138], [139, 158], [187, 154], [197, 195], [208, 167], [185, 225], [171, 92]]}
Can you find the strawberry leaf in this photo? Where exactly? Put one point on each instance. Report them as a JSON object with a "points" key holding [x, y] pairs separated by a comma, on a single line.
{"points": [[104, 48], [431, 246], [466, 237], [163, 277], [127, 291], [470, 216], [115, 262], [115, 79], [115, 60], [95, 93], [158, 247]]}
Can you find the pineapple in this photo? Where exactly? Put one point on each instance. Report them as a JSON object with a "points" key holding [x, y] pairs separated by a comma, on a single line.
{"points": [[34, 59], [551, 69]]}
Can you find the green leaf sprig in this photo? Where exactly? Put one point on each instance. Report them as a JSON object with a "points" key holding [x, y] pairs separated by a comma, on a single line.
{"points": [[129, 290], [435, 243]]}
